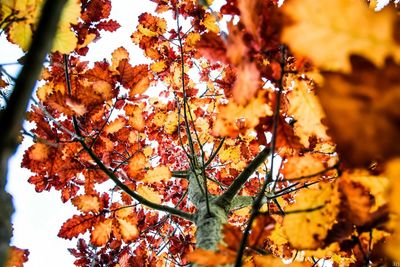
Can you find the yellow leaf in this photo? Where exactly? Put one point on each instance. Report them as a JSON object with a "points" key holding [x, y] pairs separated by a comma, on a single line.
{"points": [[392, 247], [87, 203], [115, 125], [210, 22], [158, 66], [171, 123], [148, 193], [307, 111], [233, 118], [128, 230], [328, 32], [123, 212], [158, 174], [271, 261], [192, 38], [101, 233], [119, 54], [313, 214], [21, 34], [135, 116]]}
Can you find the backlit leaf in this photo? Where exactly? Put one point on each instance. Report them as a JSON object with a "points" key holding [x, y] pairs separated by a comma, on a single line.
{"points": [[87, 203], [158, 174], [101, 232], [314, 23], [313, 214], [16, 257], [148, 193]]}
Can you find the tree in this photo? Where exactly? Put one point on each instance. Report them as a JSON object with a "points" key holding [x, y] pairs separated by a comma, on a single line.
{"points": [[218, 151]]}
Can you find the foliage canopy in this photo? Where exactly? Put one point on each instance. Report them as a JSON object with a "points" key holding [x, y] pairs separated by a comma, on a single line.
{"points": [[273, 140]]}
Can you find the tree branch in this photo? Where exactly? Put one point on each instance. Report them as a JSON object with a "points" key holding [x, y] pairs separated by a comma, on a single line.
{"points": [[13, 115], [126, 189], [225, 199]]}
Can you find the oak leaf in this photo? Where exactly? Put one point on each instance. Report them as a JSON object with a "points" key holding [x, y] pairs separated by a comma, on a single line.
{"points": [[308, 220], [233, 118], [158, 174], [136, 165], [16, 257], [101, 232], [271, 261], [329, 32], [307, 112], [362, 108], [87, 203], [247, 83], [128, 229], [151, 26], [392, 247], [135, 117], [76, 225], [148, 193]]}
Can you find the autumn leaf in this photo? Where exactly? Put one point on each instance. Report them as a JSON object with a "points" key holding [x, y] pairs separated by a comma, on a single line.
{"points": [[16, 257], [234, 118], [87, 203], [307, 112], [209, 258], [101, 232], [78, 224], [307, 165], [135, 117], [247, 83], [368, 112], [329, 32], [151, 26], [271, 261], [158, 174], [148, 193], [21, 31], [308, 220], [392, 247], [128, 229], [136, 165]]}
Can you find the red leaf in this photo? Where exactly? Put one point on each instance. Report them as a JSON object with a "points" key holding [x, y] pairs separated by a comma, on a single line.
{"points": [[108, 25], [78, 224]]}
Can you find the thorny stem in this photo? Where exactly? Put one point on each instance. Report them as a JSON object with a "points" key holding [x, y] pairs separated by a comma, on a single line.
{"points": [[268, 180]]}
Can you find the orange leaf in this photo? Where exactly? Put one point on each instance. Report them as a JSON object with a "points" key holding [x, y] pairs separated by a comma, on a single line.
{"points": [[315, 22], [209, 258], [247, 83], [158, 174], [233, 118], [87, 203], [101, 232], [135, 117], [148, 193], [128, 229], [78, 224], [16, 257], [307, 111], [364, 125], [136, 165]]}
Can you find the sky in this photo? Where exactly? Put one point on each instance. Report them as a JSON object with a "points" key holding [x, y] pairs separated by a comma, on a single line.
{"points": [[38, 217]]}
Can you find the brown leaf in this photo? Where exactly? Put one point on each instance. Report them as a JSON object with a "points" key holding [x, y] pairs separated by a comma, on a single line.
{"points": [[16, 257], [363, 112]]}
